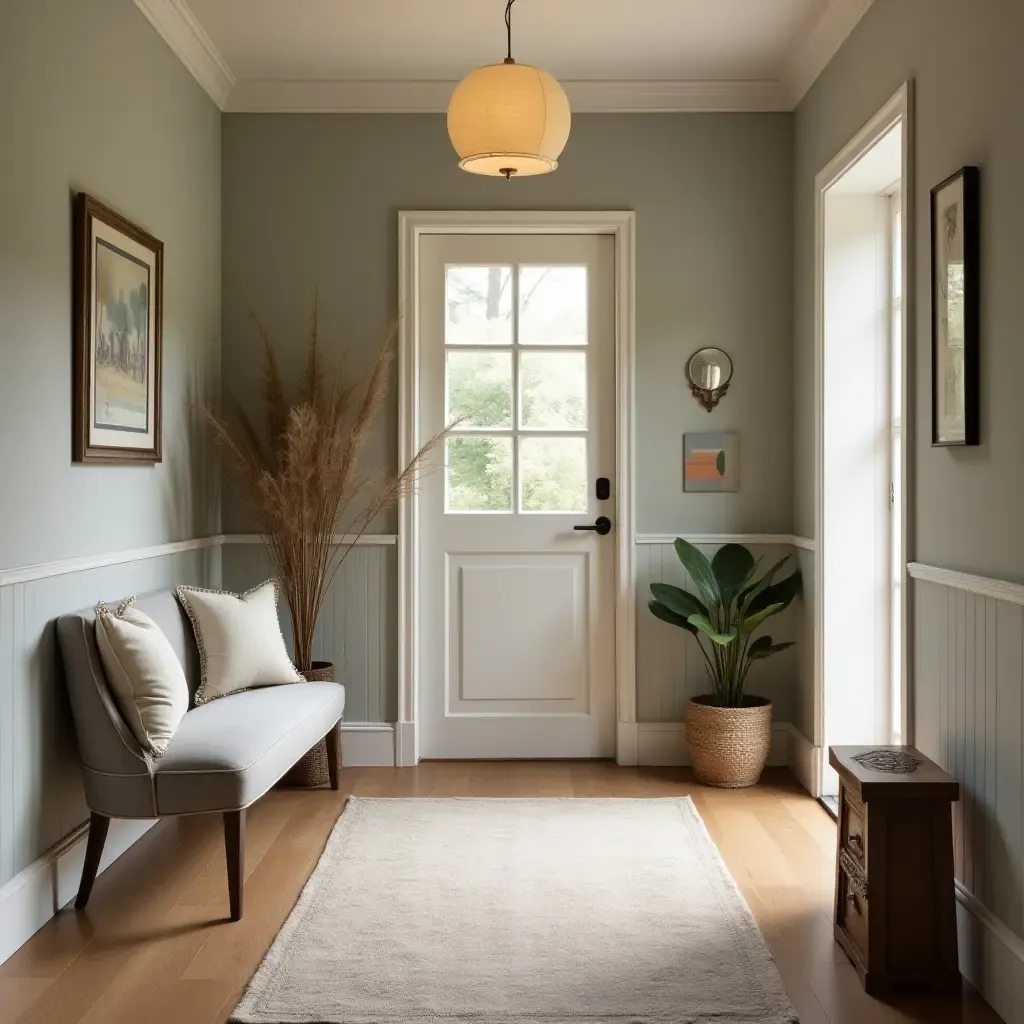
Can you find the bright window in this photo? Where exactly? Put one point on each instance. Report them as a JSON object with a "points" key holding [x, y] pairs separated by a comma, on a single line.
{"points": [[896, 487], [516, 382]]}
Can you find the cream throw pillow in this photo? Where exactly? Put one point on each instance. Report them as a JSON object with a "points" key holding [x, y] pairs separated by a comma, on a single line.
{"points": [[239, 638], [144, 673]]}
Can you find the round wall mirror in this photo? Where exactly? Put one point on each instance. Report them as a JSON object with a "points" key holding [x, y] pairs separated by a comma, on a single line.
{"points": [[709, 371]]}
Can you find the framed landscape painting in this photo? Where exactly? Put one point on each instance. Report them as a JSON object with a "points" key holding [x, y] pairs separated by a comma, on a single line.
{"points": [[118, 307], [956, 300]]}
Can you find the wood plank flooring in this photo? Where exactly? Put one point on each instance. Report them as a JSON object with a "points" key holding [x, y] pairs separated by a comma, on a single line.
{"points": [[154, 946]]}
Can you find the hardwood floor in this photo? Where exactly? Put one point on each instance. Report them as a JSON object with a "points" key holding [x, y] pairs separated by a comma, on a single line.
{"points": [[155, 946]]}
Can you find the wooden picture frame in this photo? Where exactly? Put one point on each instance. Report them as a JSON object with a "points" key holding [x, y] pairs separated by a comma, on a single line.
{"points": [[117, 338], [956, 309]]}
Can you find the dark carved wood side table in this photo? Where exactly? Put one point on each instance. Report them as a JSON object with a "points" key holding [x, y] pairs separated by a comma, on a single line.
{"points": [[895, 911]]}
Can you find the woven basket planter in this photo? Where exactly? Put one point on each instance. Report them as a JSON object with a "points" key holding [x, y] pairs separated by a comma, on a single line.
{"points": [[729, 746], [312, 768]]}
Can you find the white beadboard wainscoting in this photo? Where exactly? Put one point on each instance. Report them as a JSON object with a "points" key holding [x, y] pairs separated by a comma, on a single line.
{"points": [[357, 629], [42, 806], [968, 711], [42, 810]]}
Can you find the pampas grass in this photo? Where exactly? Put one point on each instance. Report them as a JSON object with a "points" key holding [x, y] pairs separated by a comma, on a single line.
{"points": [[302, 478]]}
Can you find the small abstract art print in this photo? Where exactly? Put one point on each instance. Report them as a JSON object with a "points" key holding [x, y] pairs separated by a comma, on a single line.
{"points": [[118, 294], [711, 462]]}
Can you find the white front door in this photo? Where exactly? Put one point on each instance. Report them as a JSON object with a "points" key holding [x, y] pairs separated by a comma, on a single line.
{"points": [[516, 613]]}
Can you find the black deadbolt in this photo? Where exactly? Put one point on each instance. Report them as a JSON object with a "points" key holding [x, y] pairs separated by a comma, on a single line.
{"points": [[604, 488]]}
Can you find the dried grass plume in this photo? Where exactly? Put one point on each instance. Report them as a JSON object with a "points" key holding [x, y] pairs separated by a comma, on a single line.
{"points": [[301, 476]]}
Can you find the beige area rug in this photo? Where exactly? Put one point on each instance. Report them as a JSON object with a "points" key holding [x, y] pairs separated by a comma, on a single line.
{"points": [[466, 911]]}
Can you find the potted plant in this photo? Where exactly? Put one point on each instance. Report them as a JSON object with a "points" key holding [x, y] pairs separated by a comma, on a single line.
{"points": [[302, 480], [729, 731]]}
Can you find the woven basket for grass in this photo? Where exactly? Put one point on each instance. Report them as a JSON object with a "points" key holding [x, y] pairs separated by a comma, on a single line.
{"points": [[729, 746], [312, 768]]}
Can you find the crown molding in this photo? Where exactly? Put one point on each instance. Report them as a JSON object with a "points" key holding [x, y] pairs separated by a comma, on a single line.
{"points": [[420, 97], [183, 33], [178, 27], [819, 45]]}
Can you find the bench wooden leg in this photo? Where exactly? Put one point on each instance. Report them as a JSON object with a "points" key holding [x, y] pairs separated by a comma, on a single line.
{"points": [[98, 826], [234, 848], [334, 755]]}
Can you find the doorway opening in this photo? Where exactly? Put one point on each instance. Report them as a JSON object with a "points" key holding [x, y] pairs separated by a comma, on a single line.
{"points": [[861, 605]]}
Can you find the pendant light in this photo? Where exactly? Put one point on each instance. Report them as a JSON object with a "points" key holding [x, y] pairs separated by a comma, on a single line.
{"points": [[508, 119]]}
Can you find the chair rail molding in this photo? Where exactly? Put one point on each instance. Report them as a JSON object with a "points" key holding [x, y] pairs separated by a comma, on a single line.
{"points": [[355, 539], [986, 586], [759, 539], [62, 567]]}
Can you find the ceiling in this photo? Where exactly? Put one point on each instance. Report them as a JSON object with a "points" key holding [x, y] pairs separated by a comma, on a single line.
{"points": [[407, 55]]}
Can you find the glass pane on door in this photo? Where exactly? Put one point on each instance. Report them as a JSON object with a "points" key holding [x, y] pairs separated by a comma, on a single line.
{"points": [[479, 474], [479, 389], [478, 306], [552, 305], [553, 390], [553, 474]]}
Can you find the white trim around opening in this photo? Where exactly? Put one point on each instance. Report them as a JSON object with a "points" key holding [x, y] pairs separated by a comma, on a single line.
{"points": [[899, 110], [412, 225]]}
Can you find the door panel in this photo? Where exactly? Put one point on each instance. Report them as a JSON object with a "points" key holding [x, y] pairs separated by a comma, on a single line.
{"points": [[541, 655], [516, 607]]}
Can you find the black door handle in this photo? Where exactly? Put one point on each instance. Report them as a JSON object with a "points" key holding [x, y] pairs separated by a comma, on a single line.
{"points": [[601, 525]]}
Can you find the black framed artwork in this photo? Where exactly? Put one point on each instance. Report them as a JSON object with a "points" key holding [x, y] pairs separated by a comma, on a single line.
{"points": [[956, 314]]}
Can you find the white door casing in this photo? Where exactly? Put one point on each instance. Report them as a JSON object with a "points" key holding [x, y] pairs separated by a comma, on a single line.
{"points": [[899, 110], [516, 632]]}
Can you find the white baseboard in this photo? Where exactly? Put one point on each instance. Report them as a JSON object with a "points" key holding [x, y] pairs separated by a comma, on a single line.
{"points": [[805, 761], [664, 744], [627, 744], [405, 754], [50, 882], [367, 745], [991, 955]]}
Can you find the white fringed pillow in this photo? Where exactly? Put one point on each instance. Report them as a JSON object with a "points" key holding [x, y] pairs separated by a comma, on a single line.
{"points": [[239, 639], [144, 673]]}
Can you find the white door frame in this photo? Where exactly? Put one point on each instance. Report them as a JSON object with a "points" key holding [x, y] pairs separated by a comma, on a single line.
{"points": [[411, 225], [899, 109]]}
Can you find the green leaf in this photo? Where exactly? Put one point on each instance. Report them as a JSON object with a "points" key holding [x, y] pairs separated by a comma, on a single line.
{"points": [[754, 587], [763, 647], [782, 593], [696, 564], [669, 616], [704, 625], [679, 601], [752, 622], [732, 566]]}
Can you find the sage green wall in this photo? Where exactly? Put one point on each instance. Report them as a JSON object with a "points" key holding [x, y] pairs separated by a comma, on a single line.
{"points": [[94, 100], [968, 70], [313, 200]]}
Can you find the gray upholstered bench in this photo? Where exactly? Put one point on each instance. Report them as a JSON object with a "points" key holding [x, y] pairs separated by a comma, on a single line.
{"points": [[225, 755]]}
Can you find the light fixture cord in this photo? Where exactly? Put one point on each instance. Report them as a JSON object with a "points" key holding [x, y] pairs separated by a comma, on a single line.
{"points": [[508, 29]]}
